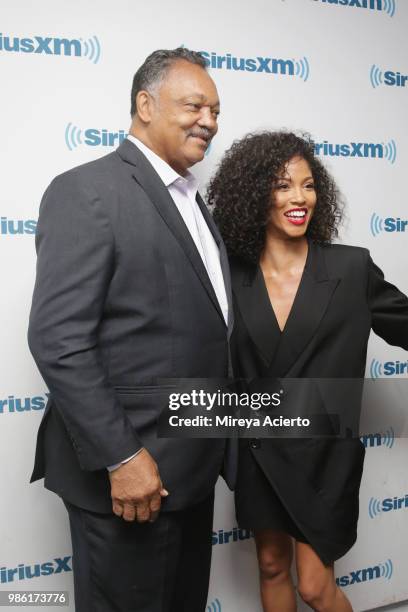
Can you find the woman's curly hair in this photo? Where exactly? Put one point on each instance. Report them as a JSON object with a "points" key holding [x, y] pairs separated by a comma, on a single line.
{"points": [[240, 191]]}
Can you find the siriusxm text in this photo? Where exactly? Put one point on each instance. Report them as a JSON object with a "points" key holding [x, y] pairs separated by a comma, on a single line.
{"points": [[352, 149], [13, 227], [41, 45], [234, 535], [395, 224], [18, 404], [361, 575], [24, 572], [268, 65], [104, 138], [390, 504], [395, 368], [375, 5], [372, 440], [395, 79]]}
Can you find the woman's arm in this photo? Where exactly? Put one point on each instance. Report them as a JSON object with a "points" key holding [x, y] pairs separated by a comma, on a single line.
{"points": [[389, 308]]}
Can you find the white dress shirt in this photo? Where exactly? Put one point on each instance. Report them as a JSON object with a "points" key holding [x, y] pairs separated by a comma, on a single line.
{"points": [[183, 191]]}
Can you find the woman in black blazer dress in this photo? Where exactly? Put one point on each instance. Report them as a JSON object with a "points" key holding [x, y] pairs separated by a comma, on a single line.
{"points": [[304, 308]]}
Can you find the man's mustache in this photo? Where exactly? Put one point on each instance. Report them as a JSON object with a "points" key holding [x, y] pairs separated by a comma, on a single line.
{"points": [[203, 133]]}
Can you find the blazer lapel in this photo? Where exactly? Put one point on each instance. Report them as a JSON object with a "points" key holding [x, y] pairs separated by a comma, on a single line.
{"points": [[311, 302], [257, 314], [146, 176]]}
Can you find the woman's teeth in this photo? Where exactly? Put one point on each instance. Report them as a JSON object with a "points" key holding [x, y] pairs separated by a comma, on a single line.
{"points": [[296, 213], [296, 217]]}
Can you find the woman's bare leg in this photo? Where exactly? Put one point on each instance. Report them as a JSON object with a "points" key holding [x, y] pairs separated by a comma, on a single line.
{"points": [[316, 583], [275, 553]]}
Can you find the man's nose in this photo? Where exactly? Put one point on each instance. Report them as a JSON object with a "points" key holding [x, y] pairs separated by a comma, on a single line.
{"points": [[208, 119]]}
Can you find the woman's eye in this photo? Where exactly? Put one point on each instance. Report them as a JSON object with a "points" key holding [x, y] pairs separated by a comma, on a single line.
{"points": [[310, 186], [282, 186]]}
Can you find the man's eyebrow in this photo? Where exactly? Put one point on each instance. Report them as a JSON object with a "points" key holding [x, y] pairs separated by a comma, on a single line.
{"points": [[201, 97]]}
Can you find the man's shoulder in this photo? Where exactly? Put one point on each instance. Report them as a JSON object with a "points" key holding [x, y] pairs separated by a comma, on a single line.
{"points": [[96, 171]]}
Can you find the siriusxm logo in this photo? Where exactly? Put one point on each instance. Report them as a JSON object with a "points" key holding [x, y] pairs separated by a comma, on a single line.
{"points": [[373, 150], [389, 504], [383, 570], [379, 439], [387, 6], [24, 572], [74, 47], [15, 227], [17, 404], [92, 137], [389, 77], [214, 606], [390, 225], [291, 67], [388, 368], [226, 537]]}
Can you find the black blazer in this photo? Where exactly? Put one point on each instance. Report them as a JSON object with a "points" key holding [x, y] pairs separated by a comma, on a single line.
{"points": [[121, 300], [341, 297]]}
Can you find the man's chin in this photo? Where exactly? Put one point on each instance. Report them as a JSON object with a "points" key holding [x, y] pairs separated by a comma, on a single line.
{"points": [[198, 144], [196, 156]]}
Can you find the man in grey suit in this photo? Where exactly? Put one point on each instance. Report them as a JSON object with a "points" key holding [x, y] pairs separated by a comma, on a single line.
{"points": [[133, 287]]}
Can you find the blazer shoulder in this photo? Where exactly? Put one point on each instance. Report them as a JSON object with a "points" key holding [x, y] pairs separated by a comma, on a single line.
{"points": [[344, 248], [238, 265], [346, 253], [242, 272]]}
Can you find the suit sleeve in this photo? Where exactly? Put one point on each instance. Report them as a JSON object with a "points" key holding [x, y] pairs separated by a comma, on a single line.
{"points": [[76, 258], [389, 308]]}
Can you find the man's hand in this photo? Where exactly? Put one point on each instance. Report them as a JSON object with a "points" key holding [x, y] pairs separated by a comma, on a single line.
{"points": [[136, 489]]}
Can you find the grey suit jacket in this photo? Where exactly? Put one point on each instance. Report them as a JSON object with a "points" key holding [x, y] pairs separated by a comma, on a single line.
{"points": [[121, 300]]}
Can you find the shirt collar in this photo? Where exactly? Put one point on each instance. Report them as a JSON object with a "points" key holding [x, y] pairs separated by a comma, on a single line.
{"points": [[187, 183]]}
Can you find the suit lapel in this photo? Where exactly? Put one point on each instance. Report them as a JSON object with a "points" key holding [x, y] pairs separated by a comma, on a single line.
{"points": [[228, 288], [223, 259], [312, 299], [148, 179]]}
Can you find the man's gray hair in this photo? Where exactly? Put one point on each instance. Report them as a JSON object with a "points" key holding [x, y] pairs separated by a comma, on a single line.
{"points": [[154, 68]]}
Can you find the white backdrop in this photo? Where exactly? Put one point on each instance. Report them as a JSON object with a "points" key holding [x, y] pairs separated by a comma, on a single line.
{"points": [[333, 68]]}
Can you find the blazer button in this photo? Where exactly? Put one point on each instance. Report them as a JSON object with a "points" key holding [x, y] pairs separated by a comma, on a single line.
{"points": [[255, 443]]}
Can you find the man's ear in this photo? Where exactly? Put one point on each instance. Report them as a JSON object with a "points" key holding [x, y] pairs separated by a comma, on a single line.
{"points": [[144, 106]]}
